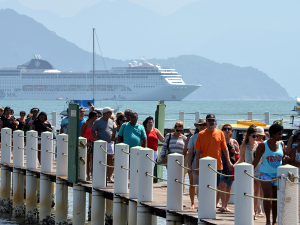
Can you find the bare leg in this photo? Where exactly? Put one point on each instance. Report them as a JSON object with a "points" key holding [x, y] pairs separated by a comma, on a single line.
{"points": [[109, 169], [222, 187], [88, 166], [267, 188], [218, 198], [39, 153], [274, 205], [256, 193], [228, 189], [192, 190]]}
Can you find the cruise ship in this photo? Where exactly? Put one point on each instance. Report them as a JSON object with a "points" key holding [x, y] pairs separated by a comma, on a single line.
{"points": [[39, 80]]}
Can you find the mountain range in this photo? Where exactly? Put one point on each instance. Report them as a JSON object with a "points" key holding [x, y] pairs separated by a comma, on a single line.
{"points": [[24, 37]]}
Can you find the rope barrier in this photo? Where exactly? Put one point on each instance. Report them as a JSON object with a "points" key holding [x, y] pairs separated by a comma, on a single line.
{"points": [[191, 185], [21, 148], [224, 175], [125, 168], [147, 174], [64, 154], [9, 133], [292, 181], [35, 149], [51, 152], [50, 138], [82, 159], [266, 199], [9, 145], [258, 178], [151, 159], [21, 135], [35, 136], [105, 150], [224, 192], [184, 166], [125, 152], [106, 165]]}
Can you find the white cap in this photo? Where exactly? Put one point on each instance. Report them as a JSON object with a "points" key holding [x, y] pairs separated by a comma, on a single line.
{"points": [[260, 131], [107, 109]]}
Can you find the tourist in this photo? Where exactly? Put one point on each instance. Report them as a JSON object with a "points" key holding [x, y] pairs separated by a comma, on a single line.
{"points": [[7, 120], [80, 122], [193, 177], [104, 127], [210, 142], [291, 143], [120, 120], [64, 124], [226, 182], [12, 112], [127, 114], [86, 131], [153, 135], [91, 107], [112, 117], [99, 114], [41, 124], [29, 121], [21, 120], [119, 114], [295, 152], [272, 152], [1, 111]]}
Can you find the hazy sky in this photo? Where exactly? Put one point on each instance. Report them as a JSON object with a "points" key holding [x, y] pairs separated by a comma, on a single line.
{"points": [[69, 8]]}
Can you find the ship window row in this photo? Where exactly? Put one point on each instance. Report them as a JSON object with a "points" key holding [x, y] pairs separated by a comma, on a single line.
{"points": [[144, 86], [75, 88]]}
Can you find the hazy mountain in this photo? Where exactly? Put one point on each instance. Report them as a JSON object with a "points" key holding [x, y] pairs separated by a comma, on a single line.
{"points": [[25, 37]]}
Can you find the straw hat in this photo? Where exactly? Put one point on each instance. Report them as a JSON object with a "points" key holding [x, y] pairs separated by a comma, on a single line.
{"points": [[201, 121], [260, 131]]}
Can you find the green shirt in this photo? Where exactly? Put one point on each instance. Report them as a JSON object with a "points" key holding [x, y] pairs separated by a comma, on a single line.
{"points": [[132, 135]]}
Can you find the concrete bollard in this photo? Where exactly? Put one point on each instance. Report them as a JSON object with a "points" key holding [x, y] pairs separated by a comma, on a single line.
{"points": [[250, 115], [133, 188], [46, 167], [267, 118], [287, 199], [62, 190], [175, 172], [99, 180], [181, 116], [207, 197], [18, 176], [197, 116], [31, 180], [79, 205], [6, 135], [145, 185], [54, 119], [121, 183], [244, 205], [82, 153]]}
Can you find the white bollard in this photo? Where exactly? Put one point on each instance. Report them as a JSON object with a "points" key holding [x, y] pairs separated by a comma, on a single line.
{"points": [[287, 196], [31, 180], [250, 115], [82, 153], [207, 196], [45, 198], [181, 116], [175, 172], [6, 205], [18, 176], [133, 188], [62, 190], [197, 116], [145, 185], [121, 182], [99, 180], [267, 118], [54, 119], [244, 205], [46, 152], [79, 205]]}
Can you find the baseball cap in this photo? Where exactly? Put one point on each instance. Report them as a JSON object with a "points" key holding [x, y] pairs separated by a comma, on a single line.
{"points": [[107, 109], [210, 117], [260, 131]]}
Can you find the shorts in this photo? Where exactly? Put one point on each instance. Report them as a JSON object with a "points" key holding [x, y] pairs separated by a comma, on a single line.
{"points": [[226, 180], [195, 178], [219, 178], [269, 176], [110, 148]]}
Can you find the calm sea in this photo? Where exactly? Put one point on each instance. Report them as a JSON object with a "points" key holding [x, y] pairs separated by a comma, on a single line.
{"points": [[226, 112]]}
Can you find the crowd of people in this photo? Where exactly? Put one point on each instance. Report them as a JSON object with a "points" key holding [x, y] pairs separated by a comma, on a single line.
{"points": [[265, 155]]}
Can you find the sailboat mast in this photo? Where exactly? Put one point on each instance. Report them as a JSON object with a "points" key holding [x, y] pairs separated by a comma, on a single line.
{"points": [[94, 65]]}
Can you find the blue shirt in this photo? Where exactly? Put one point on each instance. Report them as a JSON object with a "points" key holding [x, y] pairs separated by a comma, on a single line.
{"points": [[64, 123], [80, 124], [132, 135], [271, 160]]}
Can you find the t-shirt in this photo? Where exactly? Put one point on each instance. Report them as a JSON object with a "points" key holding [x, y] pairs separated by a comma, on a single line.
{"points": [[211, 143], [80, 124], [132, 135], [41, 127], [104, 129], [191, 146], [176, 144], [64, 123]]}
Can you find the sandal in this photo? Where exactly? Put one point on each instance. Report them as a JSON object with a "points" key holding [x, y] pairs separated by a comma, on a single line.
{"points": [[192, 207], [260, 215]]}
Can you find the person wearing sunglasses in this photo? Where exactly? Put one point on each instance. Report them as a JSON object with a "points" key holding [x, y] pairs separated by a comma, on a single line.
{"points": [[295, 151], [120, 120], [273, 154], [21, 120], [226, 182], [29, 121]]}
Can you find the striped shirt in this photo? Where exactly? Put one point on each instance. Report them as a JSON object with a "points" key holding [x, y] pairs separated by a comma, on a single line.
{"points": [[176, 144]]}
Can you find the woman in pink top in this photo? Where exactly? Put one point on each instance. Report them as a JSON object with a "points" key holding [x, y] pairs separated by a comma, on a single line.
{"points": [[86, 131]]}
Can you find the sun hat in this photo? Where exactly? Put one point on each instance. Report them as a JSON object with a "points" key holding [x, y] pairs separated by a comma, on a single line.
{"points": [[201, 121], [107, 109], [260, 131]]}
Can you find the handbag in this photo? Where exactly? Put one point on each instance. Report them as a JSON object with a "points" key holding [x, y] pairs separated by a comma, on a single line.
{"points": [[160, 160]]}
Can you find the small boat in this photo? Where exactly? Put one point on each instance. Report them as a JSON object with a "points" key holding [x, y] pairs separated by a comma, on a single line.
{"points": [[59, 98], [297, 106]]}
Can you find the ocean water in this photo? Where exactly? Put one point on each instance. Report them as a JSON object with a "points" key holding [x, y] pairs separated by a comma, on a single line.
{"points": [[226, 112]]}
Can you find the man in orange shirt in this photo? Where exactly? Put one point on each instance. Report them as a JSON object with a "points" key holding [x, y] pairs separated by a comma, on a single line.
{"points": [[210, 142]]}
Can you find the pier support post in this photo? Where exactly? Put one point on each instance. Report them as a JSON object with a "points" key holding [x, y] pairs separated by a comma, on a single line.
{"points": [[267, 118], [18, 176], [62, 190], [46, 167], [287, 196], [6, 203], [250, 115], [99, 180], [31, 180], [197, 116], [54, 119], [206, 196], [109, 211], [133, 188], [181, 116], [243, 210], [79, 205], [175, 189], [145, 185], [82, 152], [121, 183]]}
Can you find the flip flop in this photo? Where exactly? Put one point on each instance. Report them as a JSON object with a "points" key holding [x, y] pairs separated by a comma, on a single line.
{"points": [[260, 215], [192, 207]]}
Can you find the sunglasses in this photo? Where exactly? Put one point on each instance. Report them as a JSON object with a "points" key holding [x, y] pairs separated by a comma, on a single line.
{"points": [[210, 120], [124, 120], [226, 129], [202, 125], [82, 111], [178, 130], [254, 136], [22, 114]]}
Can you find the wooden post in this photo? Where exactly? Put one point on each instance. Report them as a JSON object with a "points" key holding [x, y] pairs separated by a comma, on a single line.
{"points": [[160, 125]]}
